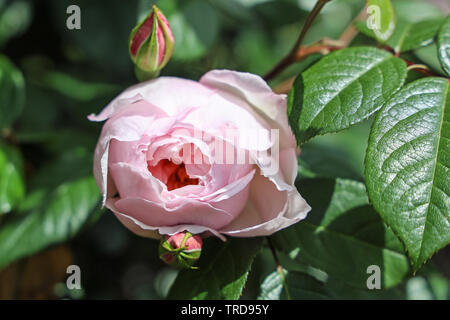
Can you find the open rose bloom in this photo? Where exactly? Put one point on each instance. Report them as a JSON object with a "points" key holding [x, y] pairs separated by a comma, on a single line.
{"points": [[210, 157]]}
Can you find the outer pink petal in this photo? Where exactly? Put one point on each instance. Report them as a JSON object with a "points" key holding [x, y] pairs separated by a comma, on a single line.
{"points": [[253, 90], [129, 124], [176, 95], [157, 215], [213, 215], [268, 210], [170, 94], [144, 230]]}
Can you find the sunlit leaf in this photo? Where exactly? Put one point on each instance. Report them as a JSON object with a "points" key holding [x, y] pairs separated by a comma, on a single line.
{"points": [[407, 166], [12, 184], [342, 89], [343, 235], [222, 273]]}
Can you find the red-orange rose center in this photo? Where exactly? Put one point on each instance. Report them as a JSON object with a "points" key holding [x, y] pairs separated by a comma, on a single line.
{"points": [[173, 175]]}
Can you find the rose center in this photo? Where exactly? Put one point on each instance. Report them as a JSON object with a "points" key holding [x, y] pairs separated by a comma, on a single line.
{"points": [[173, 175]]}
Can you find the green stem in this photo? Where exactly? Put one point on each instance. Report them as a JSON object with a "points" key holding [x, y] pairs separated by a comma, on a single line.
{"points": [[280, 268], [290, 58], [143, 76]]}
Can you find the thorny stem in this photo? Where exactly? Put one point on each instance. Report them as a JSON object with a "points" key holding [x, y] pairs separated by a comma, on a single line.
{"points": [[291, 57], [280, 269]]}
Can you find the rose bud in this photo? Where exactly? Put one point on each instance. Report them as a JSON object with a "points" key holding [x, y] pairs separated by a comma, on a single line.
{"points": [[181, 250], [151, 45]]}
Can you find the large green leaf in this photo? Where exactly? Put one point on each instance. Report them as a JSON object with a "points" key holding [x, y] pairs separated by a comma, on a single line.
{"points": [[12, 93], [342, 89], [382, 17], [343, 235], [222, 273], [12, 185], [58, 219], [444, 45], [408, 35], [407, 166]]}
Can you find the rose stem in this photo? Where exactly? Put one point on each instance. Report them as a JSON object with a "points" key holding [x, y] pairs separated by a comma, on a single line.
{"points": [[324, 46], [290, 58], [280, 269]]}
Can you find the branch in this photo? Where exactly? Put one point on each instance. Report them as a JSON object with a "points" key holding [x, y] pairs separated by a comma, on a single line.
{"points": [[291, 57], [280, 269], [324, 46]]}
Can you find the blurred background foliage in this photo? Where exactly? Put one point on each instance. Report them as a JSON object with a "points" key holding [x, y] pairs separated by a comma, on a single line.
{"points": [[51, 78]]}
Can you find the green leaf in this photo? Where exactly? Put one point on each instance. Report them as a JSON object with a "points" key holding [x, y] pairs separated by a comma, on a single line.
{"points": [[275, 14], [419, 288], [382, 17], [326, 161], [74, 88], [408, 35], [444, 46], [342, 89], [343, 154], [15, 17], [303, 286], [58, 219], [234, 11], [271, 287], [195, 27], [12, 93], [68, 166], [407, 166], [415, 36], [222, 273], [429, 56], [416, 10], [343, 235], [12, 185]]}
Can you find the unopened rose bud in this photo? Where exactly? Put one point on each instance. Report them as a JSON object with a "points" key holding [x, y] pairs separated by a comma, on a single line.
{"points": [[151, 45], [181, 250]]}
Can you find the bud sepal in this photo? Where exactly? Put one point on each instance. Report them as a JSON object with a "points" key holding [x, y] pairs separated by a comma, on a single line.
{"points": [[181, 250]]}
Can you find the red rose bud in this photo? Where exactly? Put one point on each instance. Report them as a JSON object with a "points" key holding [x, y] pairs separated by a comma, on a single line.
{"points": [[151, 45], [181, 250]]}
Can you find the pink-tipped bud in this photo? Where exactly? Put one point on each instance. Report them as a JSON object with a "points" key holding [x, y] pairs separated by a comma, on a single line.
{"points": [[151, 45], [181, 250]]}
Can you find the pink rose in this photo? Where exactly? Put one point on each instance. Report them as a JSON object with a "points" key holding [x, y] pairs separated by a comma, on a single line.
{"points": [[215, 156]]}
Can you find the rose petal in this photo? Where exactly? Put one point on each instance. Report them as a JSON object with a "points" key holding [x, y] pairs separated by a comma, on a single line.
{"points": [[143, 230], [133, 182], [258, 95], [268, 210], [159, 215], [130, 124]]}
